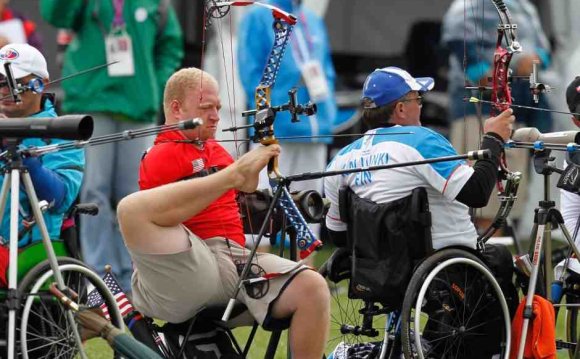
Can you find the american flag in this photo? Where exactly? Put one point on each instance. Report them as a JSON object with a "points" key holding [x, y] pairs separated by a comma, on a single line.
{"points": [[198, 165], [96, 300]]}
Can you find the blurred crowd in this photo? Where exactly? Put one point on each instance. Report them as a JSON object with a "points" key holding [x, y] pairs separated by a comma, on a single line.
{"points": [[146, 39]]}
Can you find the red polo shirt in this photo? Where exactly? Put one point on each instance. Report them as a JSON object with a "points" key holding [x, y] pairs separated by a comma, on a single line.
{"points": [[170, 161]]}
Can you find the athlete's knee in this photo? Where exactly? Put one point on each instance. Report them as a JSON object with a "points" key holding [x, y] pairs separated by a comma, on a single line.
{"points": [[315, 289], [127, 210]]}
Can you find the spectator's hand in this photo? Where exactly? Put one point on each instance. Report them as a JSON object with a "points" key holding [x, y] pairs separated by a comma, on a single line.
{"points": [[525, 64], [248, 167], [501, 124]]}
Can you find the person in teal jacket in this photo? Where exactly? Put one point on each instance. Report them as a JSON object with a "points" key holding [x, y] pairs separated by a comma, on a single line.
{"points": [[145, 37], [307, 54], [56, 176]]}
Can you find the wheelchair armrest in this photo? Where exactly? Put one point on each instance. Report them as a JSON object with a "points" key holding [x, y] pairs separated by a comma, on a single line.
{"points": [[92, 209], [338, 266]]}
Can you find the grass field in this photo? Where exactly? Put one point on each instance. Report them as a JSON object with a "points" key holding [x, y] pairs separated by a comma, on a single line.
{"points": [[98, 349]]}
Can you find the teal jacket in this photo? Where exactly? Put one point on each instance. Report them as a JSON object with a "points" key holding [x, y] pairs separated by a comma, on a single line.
{"points": [[68, 166], [156, 55]]}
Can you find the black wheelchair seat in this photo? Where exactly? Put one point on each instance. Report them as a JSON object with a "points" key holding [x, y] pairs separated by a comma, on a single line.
{"points": [[205, 335]]}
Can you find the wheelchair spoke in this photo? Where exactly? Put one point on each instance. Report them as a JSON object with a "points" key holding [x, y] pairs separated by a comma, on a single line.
{"points": [[49, 321], [44, 330], [460, 312]]}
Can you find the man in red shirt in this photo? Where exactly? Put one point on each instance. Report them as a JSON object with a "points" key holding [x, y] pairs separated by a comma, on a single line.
{"points": [[185, 234]]}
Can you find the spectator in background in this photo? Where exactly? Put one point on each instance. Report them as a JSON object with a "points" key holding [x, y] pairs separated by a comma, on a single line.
{"points": [[57, 176], [569, 201], [470, 30], [15, 28], [307, 66], [146, 39]]}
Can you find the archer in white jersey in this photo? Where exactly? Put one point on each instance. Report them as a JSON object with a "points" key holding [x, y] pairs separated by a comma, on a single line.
{"points": [[392, 106]]}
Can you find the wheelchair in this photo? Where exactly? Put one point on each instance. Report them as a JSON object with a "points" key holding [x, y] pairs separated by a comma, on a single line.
{"points": [[397, 297], [45, 328]]}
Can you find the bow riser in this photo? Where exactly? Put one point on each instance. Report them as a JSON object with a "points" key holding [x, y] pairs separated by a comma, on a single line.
{"points": [[501, 94], [264, 126]]}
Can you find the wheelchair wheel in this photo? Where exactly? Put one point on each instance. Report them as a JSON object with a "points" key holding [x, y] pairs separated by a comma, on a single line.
{"points": [[356, 326], [454, 308], [47, 328], [572, 323]]}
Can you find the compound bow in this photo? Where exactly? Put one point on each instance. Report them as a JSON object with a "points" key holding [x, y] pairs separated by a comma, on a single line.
{"points": [[265, 114], [263, 125]]}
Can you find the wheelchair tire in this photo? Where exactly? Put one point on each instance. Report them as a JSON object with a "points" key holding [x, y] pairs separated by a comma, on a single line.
{"points": [[454, 308], [45, 324], [572, 323]]}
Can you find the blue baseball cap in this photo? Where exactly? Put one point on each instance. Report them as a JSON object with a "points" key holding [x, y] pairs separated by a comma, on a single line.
{"points": [[389, 84]]}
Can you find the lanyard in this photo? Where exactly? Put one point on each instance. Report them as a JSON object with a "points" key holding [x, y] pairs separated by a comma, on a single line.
{"points": [[302, 42], [118, 21]]}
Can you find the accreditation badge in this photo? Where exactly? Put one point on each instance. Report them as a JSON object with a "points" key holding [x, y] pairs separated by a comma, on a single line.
{"points": [[119, 47], [315, 80]]}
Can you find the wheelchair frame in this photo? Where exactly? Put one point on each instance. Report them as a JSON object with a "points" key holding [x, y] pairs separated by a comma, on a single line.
{"points": [[214, 315], [15, 172], [398, 330], [405, 324]]}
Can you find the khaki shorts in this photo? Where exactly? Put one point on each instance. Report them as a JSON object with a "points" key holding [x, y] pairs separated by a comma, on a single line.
{"points": [[465, 135], [174, 287]]}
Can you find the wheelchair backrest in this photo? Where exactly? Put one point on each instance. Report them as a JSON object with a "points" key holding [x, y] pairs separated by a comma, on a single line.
{"points": [[368, 222], [385, 241]]}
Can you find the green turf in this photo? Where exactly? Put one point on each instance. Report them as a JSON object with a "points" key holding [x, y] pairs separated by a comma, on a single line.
{"points": [[98, 348]]}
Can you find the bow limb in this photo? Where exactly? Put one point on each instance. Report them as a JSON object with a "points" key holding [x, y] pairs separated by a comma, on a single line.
{"points": [[219, 8]]}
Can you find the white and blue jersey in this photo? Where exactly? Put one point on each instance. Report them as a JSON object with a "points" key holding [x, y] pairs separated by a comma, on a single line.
{"points": [[443, 180]]}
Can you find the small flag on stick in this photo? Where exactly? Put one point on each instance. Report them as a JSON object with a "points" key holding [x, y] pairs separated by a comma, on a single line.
{"points": [[96, 300]]}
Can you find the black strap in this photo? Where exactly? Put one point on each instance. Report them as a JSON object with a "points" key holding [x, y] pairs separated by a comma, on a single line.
{"points": [[95, 16], [162, 16]]}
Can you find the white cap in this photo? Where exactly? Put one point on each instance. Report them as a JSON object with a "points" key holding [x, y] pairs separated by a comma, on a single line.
{"points": [[24, 59]]}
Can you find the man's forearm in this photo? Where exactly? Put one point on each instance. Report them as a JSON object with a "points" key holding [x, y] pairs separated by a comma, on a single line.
{"points": [[476, 192]]}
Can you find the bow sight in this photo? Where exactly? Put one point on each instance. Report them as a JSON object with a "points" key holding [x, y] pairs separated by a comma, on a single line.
{"points": [[35, 85], [264, 118]]}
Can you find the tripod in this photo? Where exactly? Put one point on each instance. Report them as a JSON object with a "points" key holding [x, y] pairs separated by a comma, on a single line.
{"points": [[16, 172], [46, 272], [546, 217]]}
